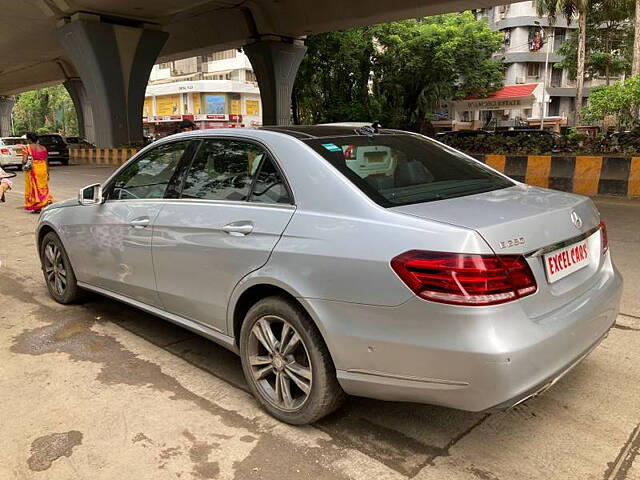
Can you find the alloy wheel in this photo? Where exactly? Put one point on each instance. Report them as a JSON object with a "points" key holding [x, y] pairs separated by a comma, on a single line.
{"points": [[54, 269], [280, 363]]}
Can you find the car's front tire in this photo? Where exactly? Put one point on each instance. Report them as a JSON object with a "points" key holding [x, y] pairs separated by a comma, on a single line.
{"points": [[287, 364], [58, 273]]}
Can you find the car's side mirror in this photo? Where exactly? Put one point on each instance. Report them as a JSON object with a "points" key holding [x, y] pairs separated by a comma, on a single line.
{"points": [[90, 195]]}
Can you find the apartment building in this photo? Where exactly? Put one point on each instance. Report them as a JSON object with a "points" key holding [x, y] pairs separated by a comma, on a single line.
{"points": [[529, 42], [218, 90]]}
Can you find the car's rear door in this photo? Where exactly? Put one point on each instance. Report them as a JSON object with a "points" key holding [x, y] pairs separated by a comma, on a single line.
{"points": [[233, 208]]}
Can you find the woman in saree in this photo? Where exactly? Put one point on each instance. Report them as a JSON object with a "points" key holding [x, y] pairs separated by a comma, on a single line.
{"points": [[36, 175]]}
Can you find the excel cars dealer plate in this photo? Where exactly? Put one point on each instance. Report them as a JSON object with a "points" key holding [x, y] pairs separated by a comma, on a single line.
{"points": [[563, 262]]}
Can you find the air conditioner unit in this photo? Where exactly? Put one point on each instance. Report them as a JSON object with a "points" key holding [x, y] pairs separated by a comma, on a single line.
{"points": [[521, 79]]}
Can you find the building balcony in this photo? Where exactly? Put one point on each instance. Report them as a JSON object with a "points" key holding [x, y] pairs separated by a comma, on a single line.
{"points": [[532, 21], [529, 57]]}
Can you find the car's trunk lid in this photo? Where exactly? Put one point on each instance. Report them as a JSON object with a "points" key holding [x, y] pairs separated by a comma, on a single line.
{"points": [[524, 220]]}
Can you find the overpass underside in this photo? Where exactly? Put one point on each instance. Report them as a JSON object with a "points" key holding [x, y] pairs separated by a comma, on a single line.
{"points": [[103, 50]]}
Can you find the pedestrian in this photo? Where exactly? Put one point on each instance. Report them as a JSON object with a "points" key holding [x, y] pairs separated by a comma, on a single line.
{"points": [[186, 126], [36, 175], [5, 184]]}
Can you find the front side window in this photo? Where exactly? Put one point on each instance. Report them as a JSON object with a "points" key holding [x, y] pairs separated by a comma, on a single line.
{"points": [[150, 175], [224, 169], [396, 170]]}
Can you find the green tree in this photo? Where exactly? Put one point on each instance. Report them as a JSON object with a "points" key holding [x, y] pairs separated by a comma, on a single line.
{"points": [[609, 44], [400, 73], [333, 80], [569, 9], [45, 110], [423, 64], [620, 100]]}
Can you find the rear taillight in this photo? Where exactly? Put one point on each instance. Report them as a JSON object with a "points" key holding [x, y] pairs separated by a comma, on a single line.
{"points": [[465, 279], [5, 151], [605, 238]]}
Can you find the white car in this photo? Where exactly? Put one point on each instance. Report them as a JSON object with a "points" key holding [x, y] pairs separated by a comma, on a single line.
{"points": [[11, 151]]}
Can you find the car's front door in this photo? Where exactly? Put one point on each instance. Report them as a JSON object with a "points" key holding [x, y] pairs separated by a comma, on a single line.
{"points": [[114, 238], [232, 210]]}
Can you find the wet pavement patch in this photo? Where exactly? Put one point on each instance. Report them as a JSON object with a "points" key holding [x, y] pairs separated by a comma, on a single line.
{"points": [[70, 331], [199, 455], [47, 449], [402, 453]]}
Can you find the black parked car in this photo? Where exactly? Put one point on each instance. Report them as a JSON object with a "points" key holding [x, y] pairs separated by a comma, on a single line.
{"points": [[79, 142], [57, 148]]}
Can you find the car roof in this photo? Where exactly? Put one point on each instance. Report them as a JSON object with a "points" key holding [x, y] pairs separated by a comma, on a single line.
{"points": [[308, 132]]}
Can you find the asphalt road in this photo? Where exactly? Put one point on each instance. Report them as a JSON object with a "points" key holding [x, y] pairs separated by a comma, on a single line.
{"points": [[103, 391]]}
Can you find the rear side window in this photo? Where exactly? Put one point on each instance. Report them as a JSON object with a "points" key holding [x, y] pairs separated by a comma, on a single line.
{"points": [[50, 140], [234, 170], [396, 170], [12, 141], [222, 170]]}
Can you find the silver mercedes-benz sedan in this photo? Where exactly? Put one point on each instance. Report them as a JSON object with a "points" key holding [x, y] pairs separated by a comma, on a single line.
{"points": [[345, 260]]}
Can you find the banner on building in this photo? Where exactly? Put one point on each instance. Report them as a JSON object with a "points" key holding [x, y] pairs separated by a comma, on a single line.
{"points": [[215, 104], [252, 107]]}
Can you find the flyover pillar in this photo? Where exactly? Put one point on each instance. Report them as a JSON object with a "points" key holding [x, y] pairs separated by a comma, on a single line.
{"points": [[275, 63], [6, 108], [78, 94], [114, 63]]}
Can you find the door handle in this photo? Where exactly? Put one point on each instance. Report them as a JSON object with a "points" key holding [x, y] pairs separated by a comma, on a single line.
{"points": [[238, 229], [139, 222]]}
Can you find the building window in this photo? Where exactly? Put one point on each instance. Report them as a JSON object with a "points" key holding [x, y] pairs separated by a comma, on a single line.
{"points": [[533, 70], [223, 55], [251, 76], [536, 40], [560, 35], [556, 77], [164, 66], [553, 109], [507, 37]]}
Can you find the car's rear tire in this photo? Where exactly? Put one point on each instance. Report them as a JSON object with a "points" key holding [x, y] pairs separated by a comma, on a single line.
{"points": [[58, 272], [287, 364]]}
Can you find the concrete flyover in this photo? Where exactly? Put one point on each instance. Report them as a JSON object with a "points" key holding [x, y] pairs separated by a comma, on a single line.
{"points": [[103, 50]]}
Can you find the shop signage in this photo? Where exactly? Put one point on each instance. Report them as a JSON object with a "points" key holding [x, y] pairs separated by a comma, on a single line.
{"points": [[219, 117], [496, 104]]}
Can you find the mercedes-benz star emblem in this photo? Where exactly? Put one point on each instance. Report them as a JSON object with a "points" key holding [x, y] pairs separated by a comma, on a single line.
{"points": [[577, 221]]}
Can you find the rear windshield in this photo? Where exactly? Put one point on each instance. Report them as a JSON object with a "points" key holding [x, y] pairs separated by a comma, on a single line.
{"points": [[13, 141], [50, 140], [396, 170]]}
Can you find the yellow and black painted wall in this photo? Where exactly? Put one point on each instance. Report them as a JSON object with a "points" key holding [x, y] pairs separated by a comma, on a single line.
{"points": [[101, 156], [586, 175]]}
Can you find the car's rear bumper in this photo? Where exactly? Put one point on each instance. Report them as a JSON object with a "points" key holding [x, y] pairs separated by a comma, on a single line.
{"points": [[469, 358], [10, 161]]}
